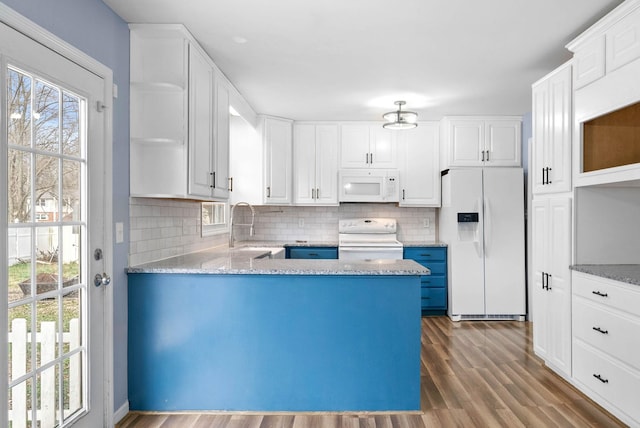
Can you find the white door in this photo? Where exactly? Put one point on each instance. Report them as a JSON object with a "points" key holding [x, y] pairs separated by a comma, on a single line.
{"points": [[466, 142], [52, 179], [504, 241], [540, 248], [354, 146], [502, 143], [382, 148]]}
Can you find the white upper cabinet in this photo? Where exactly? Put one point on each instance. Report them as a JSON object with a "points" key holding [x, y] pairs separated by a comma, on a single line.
{"points": [[367, 146], [552, 123], [418, 152], [481, 141], [178, 147], [315, 164], [201, 144], [277, 140]]}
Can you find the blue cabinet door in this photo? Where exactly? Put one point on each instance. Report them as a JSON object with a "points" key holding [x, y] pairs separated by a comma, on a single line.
{"points": [[312, 252], [434, 286]]}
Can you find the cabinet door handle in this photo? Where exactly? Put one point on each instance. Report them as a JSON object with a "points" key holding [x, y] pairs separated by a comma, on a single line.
{"points": [[544, 180], [268, 192], [212, 185], [600, 293], [548, 181], [487, 155], [599, 330], [366, 157], [548, 286], [544, 276], [371, 157], [313, 193], [313, 254], [600, 378], [425, 255], [483, 156], [231, 184], [317, 193], [403, 194]]}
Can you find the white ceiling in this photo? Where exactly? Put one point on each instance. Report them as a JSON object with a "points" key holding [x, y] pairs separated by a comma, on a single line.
{"points": [[350, 59]]}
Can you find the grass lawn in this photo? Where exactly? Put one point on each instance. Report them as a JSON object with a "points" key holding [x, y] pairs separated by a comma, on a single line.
{"points": [[47, 310]]}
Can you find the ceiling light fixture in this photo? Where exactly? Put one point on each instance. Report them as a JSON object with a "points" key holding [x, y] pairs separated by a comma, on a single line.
{"points": [[400, 119]]}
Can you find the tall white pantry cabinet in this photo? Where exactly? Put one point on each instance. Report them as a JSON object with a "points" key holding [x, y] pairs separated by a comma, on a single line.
{"points": [[550, 217]]}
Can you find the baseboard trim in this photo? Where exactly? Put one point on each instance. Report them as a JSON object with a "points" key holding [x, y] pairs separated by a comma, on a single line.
{"points": [[121, 412]]}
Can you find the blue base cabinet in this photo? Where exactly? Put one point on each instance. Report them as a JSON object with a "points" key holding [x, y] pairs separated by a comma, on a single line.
{"points": [[433, 287], [271, 343], [311, 252]]}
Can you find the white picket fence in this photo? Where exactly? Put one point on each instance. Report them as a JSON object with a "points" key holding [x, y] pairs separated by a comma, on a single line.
{"points": [[48, 414]]}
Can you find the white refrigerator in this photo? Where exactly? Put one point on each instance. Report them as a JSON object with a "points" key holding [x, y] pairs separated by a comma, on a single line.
{"points": [[482, 222]]}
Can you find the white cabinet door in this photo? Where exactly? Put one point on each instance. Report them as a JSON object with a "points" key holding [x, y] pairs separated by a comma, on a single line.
{"points": [[466, 144], [551, 242], [419, 165], [552, 122], [200, 124], [503, 143], [221, 156], [354, 146], [277, 146], [367, 146], [382, 148], [326, 165], [482, 141], [304, 164], [537, 279]]}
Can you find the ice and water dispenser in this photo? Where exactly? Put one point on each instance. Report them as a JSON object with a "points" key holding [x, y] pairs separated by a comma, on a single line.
{"points": [[468, 226]]}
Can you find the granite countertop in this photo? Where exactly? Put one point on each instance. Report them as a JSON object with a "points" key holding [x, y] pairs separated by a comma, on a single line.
{"points": [[423, 244], [629, 274], [249, 261]]}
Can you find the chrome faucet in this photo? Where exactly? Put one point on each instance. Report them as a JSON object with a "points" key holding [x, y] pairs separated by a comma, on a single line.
{"points": [[253, 216]]}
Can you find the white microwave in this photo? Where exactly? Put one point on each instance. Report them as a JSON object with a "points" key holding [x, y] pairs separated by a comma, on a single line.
{"points": [[371, 185]]}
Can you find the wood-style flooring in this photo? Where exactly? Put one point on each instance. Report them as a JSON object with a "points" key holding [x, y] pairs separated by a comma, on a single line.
{"points": [[473, 374]]}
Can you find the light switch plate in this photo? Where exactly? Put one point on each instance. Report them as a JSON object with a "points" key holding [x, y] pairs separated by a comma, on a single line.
{"points": [[119, 232]]}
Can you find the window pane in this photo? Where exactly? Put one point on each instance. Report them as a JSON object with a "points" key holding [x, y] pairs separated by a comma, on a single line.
{"points": [[47, 117], [19, 341], [70, 125], [46, 322], [48, 396], [46, 188], [71, 191], [19, 263], [20, 404], [19, 181], [70, 255], [19, 108]]}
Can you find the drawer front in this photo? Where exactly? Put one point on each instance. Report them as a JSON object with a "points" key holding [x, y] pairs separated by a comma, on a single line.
{"points": [[434, 298], [430, 281], [614, 383], [314, 253], [422, 254], [436, 268], [607, 292], [602, 329]]}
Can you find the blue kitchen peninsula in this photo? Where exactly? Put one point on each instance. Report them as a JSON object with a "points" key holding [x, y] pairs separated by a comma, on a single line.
{"points": [[211, 331]]}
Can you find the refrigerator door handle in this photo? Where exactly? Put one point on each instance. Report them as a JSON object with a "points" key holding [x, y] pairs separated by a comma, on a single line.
{"points": [[487, 226], [476, 240]]}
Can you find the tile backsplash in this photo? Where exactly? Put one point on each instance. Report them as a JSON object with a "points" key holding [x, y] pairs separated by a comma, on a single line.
{"points": [[162, 228]]}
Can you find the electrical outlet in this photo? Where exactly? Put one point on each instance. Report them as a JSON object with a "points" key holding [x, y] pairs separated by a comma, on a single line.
{"points": [[300, 222], [426, 223]]}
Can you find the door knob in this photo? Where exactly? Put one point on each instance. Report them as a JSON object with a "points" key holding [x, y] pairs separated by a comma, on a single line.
{"points": [[103, 279]]}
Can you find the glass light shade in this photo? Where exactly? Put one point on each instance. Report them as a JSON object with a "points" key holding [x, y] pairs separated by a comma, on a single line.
{"points": [[400, 119]]}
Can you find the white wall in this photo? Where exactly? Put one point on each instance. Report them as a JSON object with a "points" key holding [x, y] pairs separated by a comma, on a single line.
{"points": [[607, 225]]}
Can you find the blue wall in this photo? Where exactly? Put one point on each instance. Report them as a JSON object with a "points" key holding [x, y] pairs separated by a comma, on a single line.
{"points": [[92, 27]]}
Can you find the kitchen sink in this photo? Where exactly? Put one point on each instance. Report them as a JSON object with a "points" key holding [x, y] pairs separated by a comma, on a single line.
{"points": [[268, 252]]}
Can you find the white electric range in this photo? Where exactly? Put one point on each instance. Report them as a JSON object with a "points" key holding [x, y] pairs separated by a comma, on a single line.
{"points": [[368, 239]]}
